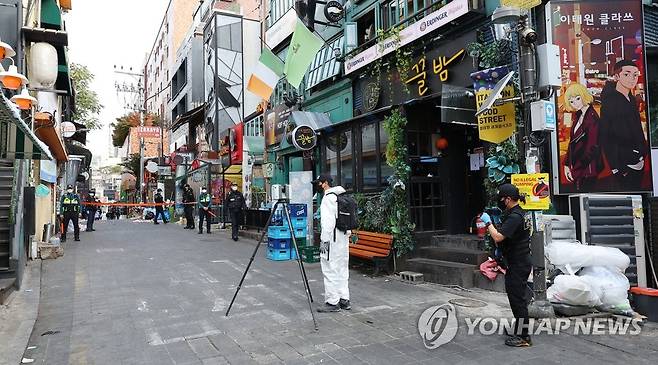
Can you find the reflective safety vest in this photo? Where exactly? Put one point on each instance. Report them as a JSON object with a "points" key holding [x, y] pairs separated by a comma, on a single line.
{"points": [[204, 199], [71, 203]]}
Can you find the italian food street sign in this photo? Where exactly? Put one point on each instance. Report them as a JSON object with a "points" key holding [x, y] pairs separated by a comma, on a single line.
{"points": [[499, 122]]}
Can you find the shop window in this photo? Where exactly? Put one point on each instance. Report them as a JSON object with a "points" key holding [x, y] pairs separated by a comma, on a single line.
{"points": [[346, 161], [332, 156], [369, 158], [386, 170], [366, 28], [395, 12]]}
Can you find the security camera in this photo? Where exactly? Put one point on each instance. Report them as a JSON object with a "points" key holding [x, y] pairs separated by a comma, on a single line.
{"points": [[528, 35]]}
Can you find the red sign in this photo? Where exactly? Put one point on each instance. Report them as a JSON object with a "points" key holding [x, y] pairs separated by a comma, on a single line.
{"points": [[148, 132]]}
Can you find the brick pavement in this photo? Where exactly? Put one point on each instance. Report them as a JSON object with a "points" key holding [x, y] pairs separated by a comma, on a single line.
{"points": [[135, 293]]}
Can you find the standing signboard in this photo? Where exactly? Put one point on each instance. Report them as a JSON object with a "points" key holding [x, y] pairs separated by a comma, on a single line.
{"points": [[601, 142]]}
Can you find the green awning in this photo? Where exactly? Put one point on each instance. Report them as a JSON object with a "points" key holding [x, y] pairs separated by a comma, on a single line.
{"points": [[255, 145], [22, 143], [51, 15]]}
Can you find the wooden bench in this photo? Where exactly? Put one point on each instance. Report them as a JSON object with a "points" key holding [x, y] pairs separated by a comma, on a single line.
{"points": [[376, 247]]}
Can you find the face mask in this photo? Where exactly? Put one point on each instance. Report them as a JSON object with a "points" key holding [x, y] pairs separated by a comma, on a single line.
{"points": [[69, 191], [91, 194], [234, 188], [203, 191], [501, 204]]}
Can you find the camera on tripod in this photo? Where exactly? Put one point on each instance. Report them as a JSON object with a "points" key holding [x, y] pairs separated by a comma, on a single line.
{"points": [[280, 192]]}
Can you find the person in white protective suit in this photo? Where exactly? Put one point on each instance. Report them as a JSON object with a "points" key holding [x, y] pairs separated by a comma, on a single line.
{"points": [[334, 250]]}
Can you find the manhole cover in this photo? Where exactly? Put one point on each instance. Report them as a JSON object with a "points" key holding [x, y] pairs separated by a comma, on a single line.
{"points": [[470, 303]]}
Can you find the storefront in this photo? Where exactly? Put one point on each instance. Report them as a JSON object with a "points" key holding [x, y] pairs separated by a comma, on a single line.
{"points": [[445, 191]]}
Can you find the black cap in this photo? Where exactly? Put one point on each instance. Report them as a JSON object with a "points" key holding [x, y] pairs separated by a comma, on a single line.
{"points": [[509, 191], [323, 178], [159, 190], [234, 184], [69, 186]]}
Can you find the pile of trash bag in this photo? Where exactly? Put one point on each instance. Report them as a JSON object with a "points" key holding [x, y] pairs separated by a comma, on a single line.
{"points": [[593, 277]]}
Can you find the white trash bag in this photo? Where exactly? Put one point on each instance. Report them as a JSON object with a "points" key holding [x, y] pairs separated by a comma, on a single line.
{"points": [[611, 285], [571, 257], [572, 290]]}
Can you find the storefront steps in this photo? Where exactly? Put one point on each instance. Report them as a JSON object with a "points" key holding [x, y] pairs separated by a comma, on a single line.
{"points": [[453, 260]]}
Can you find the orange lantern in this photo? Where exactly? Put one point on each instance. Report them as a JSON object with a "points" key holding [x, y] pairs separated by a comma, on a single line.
{"points": [[24, 100], [11, 79], [441, 143], [6, 50]]}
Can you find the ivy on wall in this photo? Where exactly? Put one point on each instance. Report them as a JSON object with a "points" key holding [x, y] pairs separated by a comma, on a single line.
{"points": [[388, 212]]}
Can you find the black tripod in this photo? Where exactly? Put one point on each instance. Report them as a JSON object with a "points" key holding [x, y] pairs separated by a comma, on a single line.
{"points": [[307, 288]]}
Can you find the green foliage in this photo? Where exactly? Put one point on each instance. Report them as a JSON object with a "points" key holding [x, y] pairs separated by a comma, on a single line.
{"points": [[503, 161], [132, 165], [491, 54], [397, 156], [373, 213], [258, 196], [401, 58], [87, 105]]}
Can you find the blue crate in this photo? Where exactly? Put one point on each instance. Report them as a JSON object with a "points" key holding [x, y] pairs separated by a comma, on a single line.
{"points": [[298, 210], [279, 243], [299, 222], [278, 254], [278, 232], [300, 232], [293, 253]]}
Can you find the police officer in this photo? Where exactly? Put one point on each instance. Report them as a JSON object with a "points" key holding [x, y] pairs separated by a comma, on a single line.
{"points": [[159, 210], [91, 207], [204, 210], [236, 204], [69, 210], [188, 208], [513, 236]]}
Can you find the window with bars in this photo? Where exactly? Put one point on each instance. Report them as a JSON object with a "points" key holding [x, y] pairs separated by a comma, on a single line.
{"points": [[324, 64], [254, 127], [278, 8]]}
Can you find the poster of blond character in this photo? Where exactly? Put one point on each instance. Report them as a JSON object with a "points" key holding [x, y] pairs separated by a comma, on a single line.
{"points": [[602, 132]]}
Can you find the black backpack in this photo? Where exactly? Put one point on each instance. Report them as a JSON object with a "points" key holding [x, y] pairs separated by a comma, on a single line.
{"points": [[347, 212]]}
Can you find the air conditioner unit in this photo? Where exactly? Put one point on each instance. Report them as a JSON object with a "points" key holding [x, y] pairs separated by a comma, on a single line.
{"points": [[613, 221]]}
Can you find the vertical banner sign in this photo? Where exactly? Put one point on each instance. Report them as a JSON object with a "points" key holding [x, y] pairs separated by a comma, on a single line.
{"points": [[498, 123], [602, 124], [535, 188]]}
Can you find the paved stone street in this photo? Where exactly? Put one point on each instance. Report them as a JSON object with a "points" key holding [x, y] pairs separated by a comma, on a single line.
{"points": [[135, 293]]}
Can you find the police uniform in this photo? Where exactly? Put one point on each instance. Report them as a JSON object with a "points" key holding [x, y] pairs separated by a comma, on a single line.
{"points": [[236, 204], [70, 209], [188, 208], [159, 210], [204, 202], [91, 211]]}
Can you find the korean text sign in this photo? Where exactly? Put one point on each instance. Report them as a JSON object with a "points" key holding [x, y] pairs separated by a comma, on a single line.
{"points": [[602, 122]]}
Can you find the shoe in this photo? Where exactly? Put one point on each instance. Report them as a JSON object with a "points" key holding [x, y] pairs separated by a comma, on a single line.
{"points": [[200, 232], [208, 232], [345, 304], [329, 308], [186, 227], [235, 239], [156, 223], [77, 239], [93, 230], [165, 222], [516, 341]]}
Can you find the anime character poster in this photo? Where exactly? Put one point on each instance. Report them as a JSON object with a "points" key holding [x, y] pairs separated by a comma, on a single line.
{"points": [[602, 133]]}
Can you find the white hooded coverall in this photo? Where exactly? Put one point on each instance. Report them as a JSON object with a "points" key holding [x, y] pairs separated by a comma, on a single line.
{"points": [[335, 269]]}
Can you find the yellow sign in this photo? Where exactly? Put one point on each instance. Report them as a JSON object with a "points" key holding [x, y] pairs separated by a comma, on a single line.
{"points": [[498, 123], [535, 188], [521, 4]]}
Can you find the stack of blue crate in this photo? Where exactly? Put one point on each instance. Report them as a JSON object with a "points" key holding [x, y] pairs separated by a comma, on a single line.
{"points": [[279, 236]]}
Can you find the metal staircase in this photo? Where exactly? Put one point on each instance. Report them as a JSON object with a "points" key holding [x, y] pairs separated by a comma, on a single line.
{"points": [[6, 188]]}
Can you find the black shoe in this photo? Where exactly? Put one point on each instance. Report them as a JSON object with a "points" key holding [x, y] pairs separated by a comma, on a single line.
{"points": [[156, 223], [77, 239], [200, 232], [329, 308], [235, 239], [165, 222], [186, 227], [345, 304], [516, 341], [93, 230], [208, 232]]}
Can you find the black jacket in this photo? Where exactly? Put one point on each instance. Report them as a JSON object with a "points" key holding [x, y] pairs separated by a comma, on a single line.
{"points": [[515, 228], [188, 196], [622, 137], [91, 208], [235, 201]]}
